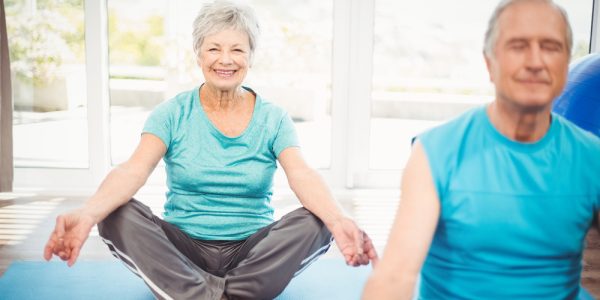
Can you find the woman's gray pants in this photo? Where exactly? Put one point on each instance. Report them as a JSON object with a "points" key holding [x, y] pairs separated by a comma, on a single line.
{"points": [[175, 266]]}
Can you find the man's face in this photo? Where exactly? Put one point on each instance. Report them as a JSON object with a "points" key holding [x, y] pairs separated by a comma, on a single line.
{"points": [[530, 59]]}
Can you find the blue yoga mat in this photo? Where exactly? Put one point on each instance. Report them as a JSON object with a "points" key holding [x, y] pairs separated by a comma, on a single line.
{"points": [[85, 280], [327, 278]]}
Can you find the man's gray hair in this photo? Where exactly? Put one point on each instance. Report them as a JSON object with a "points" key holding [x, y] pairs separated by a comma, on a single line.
{"points": [[491, 34], [221, 15]]}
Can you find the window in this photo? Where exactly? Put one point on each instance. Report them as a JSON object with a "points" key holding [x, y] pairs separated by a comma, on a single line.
{"points": [[47, 56], [151, 60], [360, 78], [428, 67]]}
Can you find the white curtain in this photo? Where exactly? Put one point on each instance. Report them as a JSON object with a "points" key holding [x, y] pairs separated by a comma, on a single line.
{"points": [[6, 108]]}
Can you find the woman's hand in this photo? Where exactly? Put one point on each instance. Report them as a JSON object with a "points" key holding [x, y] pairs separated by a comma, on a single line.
{"points": [[355, 244], [314, 195], [73, 228], [71, 231]]}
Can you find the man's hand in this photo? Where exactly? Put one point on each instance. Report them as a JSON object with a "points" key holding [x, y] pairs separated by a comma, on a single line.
{"points": [[355, 244], [71, 231]]}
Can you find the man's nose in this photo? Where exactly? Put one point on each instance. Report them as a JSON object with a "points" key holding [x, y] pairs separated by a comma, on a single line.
{"points": [[535, 59]]}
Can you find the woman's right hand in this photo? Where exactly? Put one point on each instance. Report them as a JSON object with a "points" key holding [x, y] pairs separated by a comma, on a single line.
{"points": [[73, 228], [70, 233]]}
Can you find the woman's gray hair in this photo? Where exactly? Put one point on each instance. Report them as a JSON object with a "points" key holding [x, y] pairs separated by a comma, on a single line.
{"points": [[491, 34], [221, 15]]}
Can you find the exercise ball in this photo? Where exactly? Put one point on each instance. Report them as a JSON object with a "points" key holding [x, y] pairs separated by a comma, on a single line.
{"points": [[580, 101]]}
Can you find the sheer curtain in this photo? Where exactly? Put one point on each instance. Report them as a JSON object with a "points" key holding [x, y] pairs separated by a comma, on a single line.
{"points": [[6, 107]]}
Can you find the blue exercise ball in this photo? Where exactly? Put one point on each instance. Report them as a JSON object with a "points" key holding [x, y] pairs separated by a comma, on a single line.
{"points": [[580, 101]]}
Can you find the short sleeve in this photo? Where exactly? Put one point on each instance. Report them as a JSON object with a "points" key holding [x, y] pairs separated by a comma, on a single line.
{"points": [[159, 123], [286, 135]]}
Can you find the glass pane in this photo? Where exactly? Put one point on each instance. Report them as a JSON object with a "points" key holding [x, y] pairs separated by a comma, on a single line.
{"points": [[580, 17], [137, 68], [47, 56], [151, 59], [429, 67], [293, 68]]}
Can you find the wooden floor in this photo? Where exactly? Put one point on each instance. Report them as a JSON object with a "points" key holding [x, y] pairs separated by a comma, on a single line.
{"points": [[590, 278], [26, 221]]}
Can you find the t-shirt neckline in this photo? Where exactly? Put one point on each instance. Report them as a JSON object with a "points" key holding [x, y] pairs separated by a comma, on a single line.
{"points": [[521, 146], [198, 106]]}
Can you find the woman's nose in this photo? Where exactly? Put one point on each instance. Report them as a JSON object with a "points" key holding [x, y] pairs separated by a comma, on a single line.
{"points": [[225, 58]]}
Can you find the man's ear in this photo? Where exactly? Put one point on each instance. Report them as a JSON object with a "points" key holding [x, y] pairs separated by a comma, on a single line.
{"points": [[489, 66]]}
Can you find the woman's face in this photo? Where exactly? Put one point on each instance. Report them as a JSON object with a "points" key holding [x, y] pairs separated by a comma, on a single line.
{"points": [[225, 58]]}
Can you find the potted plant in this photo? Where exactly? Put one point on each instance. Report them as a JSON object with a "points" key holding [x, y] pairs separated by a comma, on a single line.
{"points": [[38, 50]]}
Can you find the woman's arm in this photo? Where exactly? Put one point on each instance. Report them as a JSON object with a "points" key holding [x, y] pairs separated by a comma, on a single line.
{"points": [[417, 217], [314, 195], [127, 178], [72, 228], [309, 187]]}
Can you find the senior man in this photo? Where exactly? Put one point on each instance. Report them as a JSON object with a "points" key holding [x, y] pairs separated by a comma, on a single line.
{"points": [[496, 204]]}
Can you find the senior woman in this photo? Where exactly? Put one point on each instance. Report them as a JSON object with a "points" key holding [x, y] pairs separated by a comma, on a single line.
{"points": [[220, 143]]}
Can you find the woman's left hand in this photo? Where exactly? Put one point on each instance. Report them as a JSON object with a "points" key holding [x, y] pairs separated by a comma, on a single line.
{"points": [[355, 244], [312, 192]]}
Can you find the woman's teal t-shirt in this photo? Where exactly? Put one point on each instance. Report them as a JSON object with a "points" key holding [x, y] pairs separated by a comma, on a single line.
{"points": [[219, 187], [514, 216]]}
